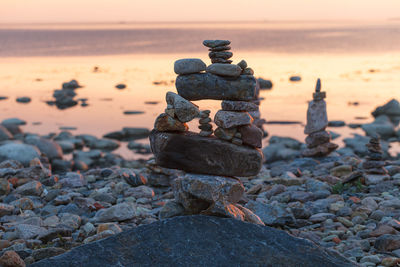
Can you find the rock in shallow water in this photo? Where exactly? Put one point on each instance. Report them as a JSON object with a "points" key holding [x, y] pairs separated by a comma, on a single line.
{"points": [[209, 86], [193, 153], [231, 242]]}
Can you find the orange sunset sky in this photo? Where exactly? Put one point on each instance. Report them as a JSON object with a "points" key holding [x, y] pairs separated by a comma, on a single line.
{"points": [[37, 11]]}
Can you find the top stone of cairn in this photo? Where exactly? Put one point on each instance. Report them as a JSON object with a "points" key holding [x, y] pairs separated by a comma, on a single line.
{"points": [[318, 95], [216, 43]]}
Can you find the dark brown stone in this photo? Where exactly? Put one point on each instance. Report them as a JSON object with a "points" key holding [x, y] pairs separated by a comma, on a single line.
{"points": [[251, 135], [220, 48], [205, 127], [222, 54], [206, 155], [209, 86], [221, 60], [165, 123]]}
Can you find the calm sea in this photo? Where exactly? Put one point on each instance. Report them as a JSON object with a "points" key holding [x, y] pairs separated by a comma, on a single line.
{"points": [[357, 62]]}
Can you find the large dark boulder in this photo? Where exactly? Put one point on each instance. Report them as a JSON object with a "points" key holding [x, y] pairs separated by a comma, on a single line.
{"points": [[206, 155], [209, 86], [199, 241]]}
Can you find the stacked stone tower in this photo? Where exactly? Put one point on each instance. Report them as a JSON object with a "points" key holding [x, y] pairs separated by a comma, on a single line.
{"points": [[212, 158], [318, 139], [374, 163]]}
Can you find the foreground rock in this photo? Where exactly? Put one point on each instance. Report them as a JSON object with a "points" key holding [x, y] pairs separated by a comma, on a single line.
{"points": [[209, 86], [19, 152], [193, 153], [230, 241]]}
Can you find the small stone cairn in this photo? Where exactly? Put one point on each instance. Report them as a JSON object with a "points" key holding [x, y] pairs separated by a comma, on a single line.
{"points": [[212, 159], [374, 163], [318, 139]]}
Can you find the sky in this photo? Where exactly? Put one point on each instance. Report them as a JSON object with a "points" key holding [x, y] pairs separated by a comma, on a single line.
{"points": [[39, 11]]}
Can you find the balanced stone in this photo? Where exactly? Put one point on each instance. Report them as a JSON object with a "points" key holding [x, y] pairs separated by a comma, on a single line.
{"points": [[317, 138], [165, 123], [221, 54], [251, 135], [238, 106], [205, 120], [216, 43], [205, 113], [220, 48], [374, 163], [184, 110], [317, 118], [189, 65], [229, 119], [225, 134], [205, 127], [242, 64], [320, 150], [248, 71], [237, 141], [209, 86], [205, 155], [221, 60], [205, 124], [230, 70]]}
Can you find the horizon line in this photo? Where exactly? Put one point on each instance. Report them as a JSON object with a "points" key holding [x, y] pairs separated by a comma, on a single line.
{"points": [[206, 21]]}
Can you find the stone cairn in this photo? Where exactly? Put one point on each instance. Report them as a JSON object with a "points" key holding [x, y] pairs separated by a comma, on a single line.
{"points": [[212, 159], [318, 139], [374, 163]]}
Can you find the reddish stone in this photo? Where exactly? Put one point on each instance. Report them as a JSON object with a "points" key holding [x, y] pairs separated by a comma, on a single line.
{"points": [[355, 199], [251, 135], [11, 259], [98, 206]]}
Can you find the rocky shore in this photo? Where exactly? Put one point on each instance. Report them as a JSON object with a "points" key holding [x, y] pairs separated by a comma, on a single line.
{"points": [[50, 205], [61, 191]]}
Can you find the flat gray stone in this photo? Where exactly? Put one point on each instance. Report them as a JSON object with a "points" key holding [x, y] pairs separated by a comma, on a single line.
{"points": [[216, 43], [229, 119], [189, 65], [205, 155], [209, 86], [230, 70], [317, 118], [200, 241]]}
